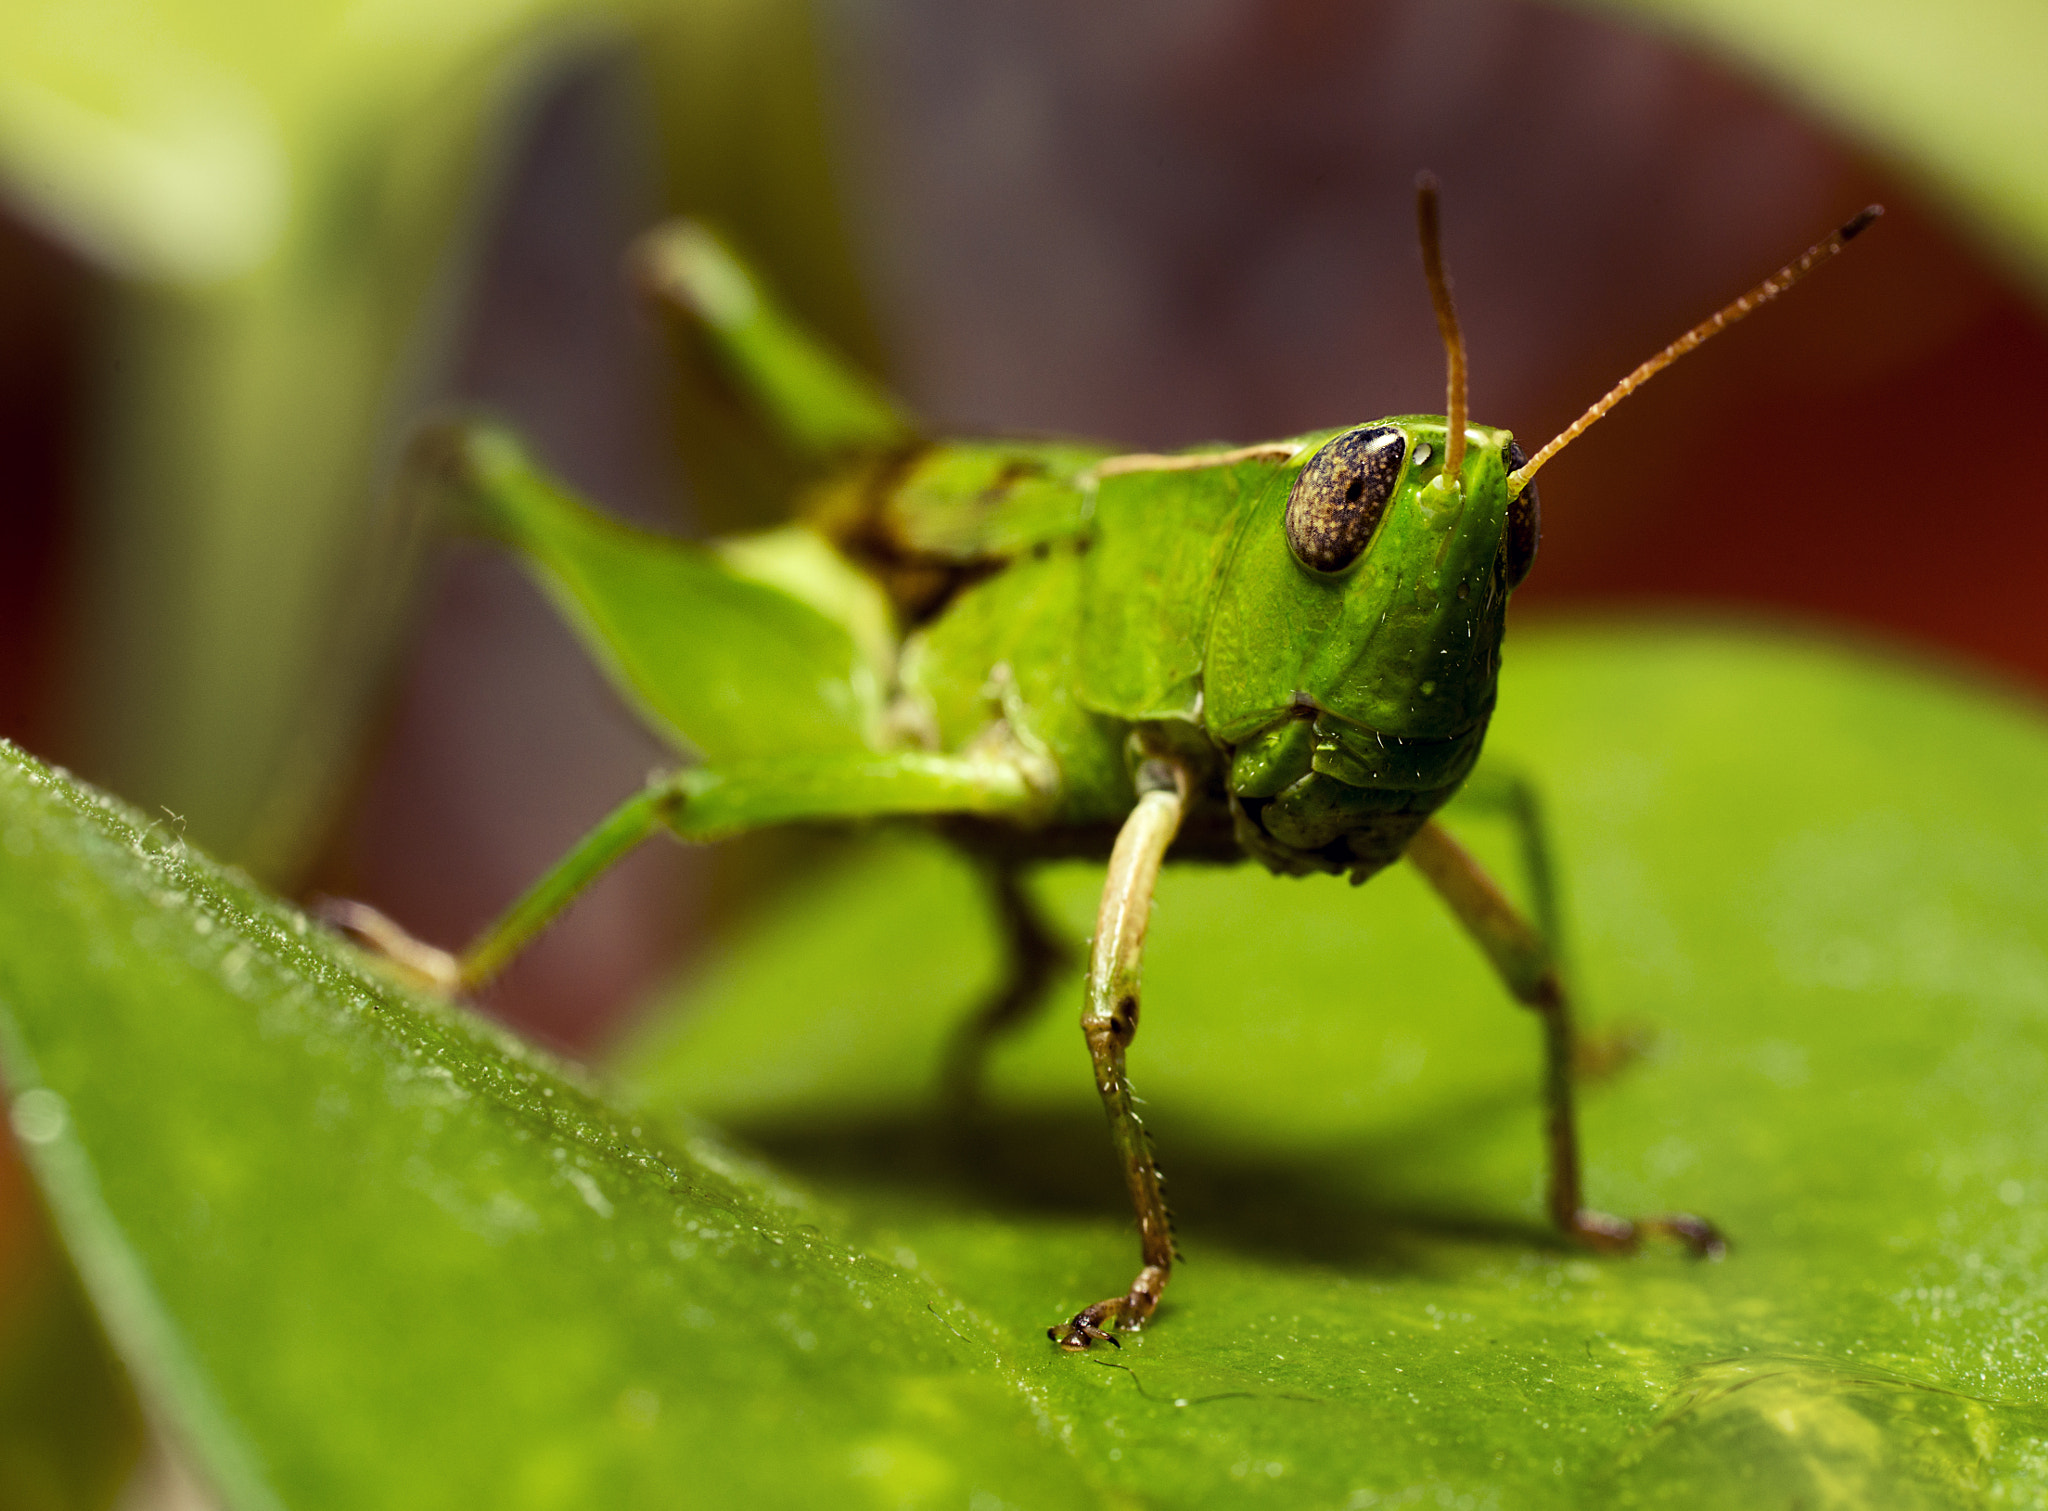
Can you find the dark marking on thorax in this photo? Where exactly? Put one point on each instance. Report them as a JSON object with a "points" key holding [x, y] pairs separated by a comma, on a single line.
{"points": [[860, 517]]}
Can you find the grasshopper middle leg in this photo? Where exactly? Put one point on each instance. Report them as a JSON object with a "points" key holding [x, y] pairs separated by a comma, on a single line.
{"points": [[1514, 797], [1033, 956], [1110, 1021], [1527, 967]]}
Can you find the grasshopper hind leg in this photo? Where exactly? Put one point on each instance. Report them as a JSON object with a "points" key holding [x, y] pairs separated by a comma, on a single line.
{"points": [[706, 803], [1527, 966], [623, 829], [819, 406], [1033, 956]]}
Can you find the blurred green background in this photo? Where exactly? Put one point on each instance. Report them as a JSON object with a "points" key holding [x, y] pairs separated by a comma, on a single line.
{"points": [[243, 249]]}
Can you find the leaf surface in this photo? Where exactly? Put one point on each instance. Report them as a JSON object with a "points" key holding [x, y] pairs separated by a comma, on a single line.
{"points": [[366, 1251], [1815, 877], [363, 1251]]}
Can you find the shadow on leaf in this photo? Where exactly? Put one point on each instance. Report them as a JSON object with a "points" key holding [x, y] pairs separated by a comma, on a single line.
{"points": [[1332, 1205]]}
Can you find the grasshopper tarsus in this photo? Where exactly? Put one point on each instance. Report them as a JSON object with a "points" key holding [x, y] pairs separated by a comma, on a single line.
{"points": [[1620, 1235], [1101, 1322], [1700, 1237]]}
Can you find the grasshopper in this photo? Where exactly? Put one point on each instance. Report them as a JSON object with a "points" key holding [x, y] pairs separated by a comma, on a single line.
{"points": [[1284, 653]]}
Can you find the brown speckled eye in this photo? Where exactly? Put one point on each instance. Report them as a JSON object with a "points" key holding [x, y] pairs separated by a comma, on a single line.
{"points": [[1340, 495], [1525, 524]]}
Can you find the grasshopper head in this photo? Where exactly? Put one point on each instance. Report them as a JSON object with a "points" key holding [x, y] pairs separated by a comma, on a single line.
{"points": [[1355, 646], [1366, 589]]}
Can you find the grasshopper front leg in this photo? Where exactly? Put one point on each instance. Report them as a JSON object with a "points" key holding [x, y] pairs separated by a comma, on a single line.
{"points": [[1109, 1019], [1529, 970]]}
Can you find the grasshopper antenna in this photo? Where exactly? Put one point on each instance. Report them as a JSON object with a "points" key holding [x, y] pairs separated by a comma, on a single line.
{"points": [[1446, 323], [1713, 325]]}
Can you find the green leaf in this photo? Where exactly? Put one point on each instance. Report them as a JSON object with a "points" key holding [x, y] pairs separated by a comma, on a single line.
{"points": [[1818, 878], [363, 1251]]}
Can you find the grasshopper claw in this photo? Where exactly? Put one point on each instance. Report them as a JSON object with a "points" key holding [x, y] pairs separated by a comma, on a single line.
{"points": [[1086, 1328], [1701, 1238], [1127, 1312], [1618, 1235]]}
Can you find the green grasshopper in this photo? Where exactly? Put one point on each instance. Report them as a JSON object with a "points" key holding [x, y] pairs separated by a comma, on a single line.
{"points": [[1283, 652]]}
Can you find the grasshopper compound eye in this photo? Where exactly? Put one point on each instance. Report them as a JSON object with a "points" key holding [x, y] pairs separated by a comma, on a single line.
{"points": [[1525, 524], [1340, 495]]}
